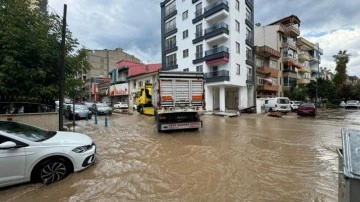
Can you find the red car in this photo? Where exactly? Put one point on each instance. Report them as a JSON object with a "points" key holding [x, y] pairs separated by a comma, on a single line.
{"points": [[307, 109]]}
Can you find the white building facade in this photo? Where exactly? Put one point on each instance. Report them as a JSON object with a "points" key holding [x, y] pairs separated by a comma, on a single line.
{"points": [[215, 37]]}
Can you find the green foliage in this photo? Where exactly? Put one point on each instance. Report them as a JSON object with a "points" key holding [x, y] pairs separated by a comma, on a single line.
{"points": [[29, 52], [341, 59]]}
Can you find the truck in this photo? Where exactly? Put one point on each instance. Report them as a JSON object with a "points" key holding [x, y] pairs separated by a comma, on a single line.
{"points": [[176, 100]]}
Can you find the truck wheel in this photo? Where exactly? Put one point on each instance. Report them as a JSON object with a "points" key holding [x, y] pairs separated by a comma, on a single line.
{"points": [[270, 110], [141, 110]]}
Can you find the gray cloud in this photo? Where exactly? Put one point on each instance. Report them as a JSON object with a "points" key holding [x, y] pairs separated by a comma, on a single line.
{"points": [[134, 25]]}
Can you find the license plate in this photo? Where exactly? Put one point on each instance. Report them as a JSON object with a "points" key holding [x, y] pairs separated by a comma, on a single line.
{"points": [[283, 107], [172, 126]]}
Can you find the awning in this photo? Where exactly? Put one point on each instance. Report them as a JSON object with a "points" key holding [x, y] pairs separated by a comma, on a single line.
{"points": [[268, 81], [290, 63]]}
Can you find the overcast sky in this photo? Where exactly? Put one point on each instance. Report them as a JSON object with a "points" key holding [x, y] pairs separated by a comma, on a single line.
{"points": [[134, 25]]}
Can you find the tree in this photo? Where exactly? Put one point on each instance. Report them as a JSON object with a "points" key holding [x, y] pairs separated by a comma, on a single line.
{"points": [[29, 52], [341, 59]]}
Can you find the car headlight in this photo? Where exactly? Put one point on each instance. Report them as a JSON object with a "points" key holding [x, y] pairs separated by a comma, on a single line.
{"points": [[82, 149]]}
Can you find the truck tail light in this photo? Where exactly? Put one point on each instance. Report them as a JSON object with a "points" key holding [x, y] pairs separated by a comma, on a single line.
{"points": [[162, 117], [197, 116]]}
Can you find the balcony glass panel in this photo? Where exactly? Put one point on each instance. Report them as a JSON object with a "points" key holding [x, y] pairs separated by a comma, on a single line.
{"points": [[217, 50], [217, 74], [216, 27], [213, 5]]}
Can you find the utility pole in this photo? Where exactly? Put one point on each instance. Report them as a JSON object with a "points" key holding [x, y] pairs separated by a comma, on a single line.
{"points": [[61, 73], [317, 74]]}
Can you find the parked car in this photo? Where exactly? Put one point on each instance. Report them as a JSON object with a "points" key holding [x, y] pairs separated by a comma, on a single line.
{"points": [[121, 105], [307, 109], [101, 108], [352, 104], [89, 105], [81, 112], [29, 153], [280, 104], [294, 105]]}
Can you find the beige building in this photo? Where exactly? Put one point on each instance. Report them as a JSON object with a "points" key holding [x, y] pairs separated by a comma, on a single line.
{"points": [[102, 62], [283, 59]]}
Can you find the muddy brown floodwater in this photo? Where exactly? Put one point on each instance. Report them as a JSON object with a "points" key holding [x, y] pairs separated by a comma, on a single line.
{"points": [[246, 158]]}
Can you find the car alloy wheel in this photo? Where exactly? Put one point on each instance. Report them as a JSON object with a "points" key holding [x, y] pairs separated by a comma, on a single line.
{"points": [[53, 170]]}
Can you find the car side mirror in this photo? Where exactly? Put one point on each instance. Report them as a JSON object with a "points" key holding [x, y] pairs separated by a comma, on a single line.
{"points": [[8, 145]]}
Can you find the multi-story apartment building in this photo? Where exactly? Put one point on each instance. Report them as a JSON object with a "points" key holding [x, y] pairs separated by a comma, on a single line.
{"points": [[283, 59], [102, 62], [215, 37]]}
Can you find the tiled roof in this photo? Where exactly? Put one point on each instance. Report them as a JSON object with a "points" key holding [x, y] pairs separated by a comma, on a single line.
{"points": [[142, 69]]}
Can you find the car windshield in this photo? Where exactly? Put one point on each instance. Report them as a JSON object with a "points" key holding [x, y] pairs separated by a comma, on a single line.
{"points": [[25, 131], [283, 101], [298, 102], [352, 101], [308, 104], [101, 105], [81, 107]]}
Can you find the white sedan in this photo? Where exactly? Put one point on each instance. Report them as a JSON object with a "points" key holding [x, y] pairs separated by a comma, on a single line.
{"points": [[29, 153], [121, 105]]}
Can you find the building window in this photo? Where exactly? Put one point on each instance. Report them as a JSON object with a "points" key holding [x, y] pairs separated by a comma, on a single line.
{"points": [[170, 60], [185, 15], [170, 8], [237, 47], [237, 69], [248, 15], [249, 54], [199, 68], [140, 83], [170, 43], [170, 25], [186, 69], [147, 81], [199, 51], [134, 84], [237, 26], [198, 11], [185, 34], [237, 5], [185, 53], [199, 30]]}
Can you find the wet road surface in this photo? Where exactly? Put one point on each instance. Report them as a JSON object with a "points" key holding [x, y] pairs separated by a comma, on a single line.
{"points": [[246, 158]]}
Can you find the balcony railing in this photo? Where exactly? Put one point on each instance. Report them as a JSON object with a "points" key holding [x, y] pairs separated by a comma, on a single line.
{"points": [[170, 63], [168, 47], [249, 40], [216, 27], [170, 28], [217, 76], [217, 50], [170, 10], [249, 3], [216, 3], [266, 51]]}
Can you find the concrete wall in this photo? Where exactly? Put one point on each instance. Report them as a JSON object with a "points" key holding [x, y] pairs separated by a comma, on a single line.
{"points": [[48, 120]]}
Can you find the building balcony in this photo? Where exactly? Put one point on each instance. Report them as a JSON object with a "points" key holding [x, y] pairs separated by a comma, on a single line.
{"points": [[249, 41], [268, 87], [303, 56], [304, 44], [286, 88], [314, 68], [217, 33], [198, 57], [289, 73], [290, 30], [303, 81], [220, 53], [290, 45], [250, 4], [291, 61], [169, 49], [304, 69], [170, 30], [216, 11], [268, 71], [170, 13], [249, 21], [249, 79], [218, 76], [198, 16], [266, 51]]}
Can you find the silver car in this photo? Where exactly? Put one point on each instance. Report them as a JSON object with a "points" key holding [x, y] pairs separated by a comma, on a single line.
{"points": [[101, 108], [352, 104], [81, 112]]}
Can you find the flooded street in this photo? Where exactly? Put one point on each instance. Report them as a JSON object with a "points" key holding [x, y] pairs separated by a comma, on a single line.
{"points": [[246, 158]]}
